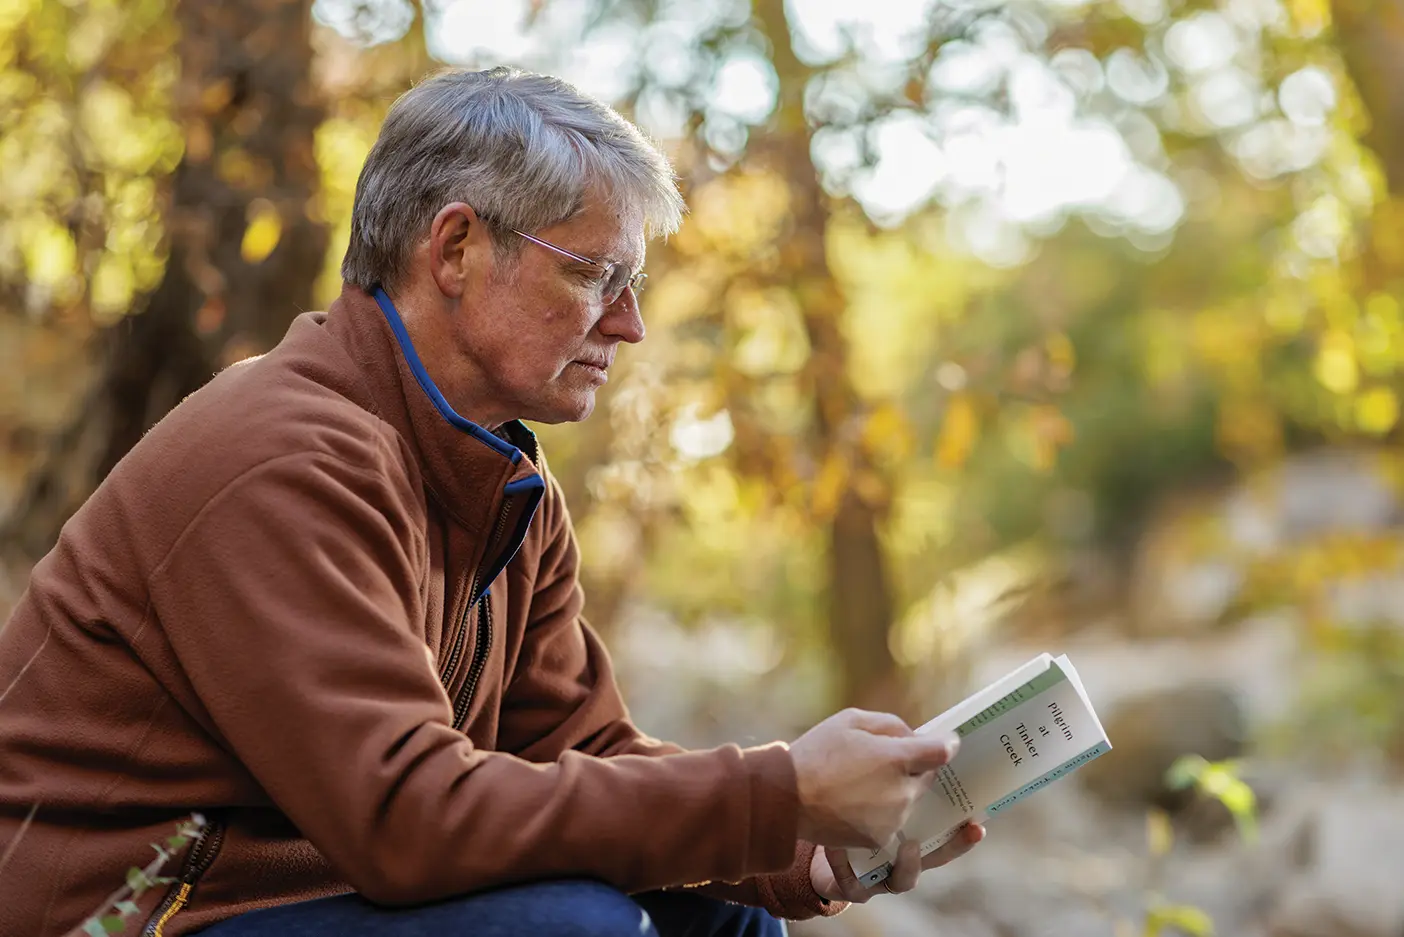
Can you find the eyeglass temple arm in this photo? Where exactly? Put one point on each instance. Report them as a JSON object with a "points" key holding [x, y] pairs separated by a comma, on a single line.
{"points": [[559, 250]]}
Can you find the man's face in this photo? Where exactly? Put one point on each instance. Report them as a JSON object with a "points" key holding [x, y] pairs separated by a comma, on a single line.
{"points": [[535, 328]]}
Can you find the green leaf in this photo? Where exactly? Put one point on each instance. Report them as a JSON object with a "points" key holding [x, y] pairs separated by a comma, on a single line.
{"points": [[1191, 920], [1185, 772], [1220, 780], [1182, 917], [175, 843], [1239, 798], [93, 928], [1219, 776], [128, 908], [113, 924], [1242, 803], [138, 881]]}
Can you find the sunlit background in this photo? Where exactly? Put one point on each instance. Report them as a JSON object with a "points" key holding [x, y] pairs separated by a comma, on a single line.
{"points": [[994, 328]]}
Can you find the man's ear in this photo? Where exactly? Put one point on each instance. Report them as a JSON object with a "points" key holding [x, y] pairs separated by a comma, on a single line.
{"points": [[456, 239]]}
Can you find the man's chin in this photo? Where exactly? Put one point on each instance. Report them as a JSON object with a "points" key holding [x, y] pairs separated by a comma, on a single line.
{"points": [[572, 410]]}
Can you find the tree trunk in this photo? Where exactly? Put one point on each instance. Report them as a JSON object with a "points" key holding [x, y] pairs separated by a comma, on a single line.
{"points": [[861, 606], [1370, 37], [248, 108]]}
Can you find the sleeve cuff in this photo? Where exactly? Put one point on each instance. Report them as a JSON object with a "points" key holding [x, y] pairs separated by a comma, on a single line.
{"points": [[790, 894]]}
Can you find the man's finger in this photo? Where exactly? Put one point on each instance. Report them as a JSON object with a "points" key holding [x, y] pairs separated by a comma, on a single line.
{"points": [[844, 878], [906, 869], [881, 723], [959, 845], [923, 753]]}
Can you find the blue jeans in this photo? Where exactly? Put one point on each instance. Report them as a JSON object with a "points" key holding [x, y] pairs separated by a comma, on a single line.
{"points": [[549, 909]]}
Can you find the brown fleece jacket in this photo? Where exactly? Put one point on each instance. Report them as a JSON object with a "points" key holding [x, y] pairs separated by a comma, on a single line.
{"points": [[344, 623]]}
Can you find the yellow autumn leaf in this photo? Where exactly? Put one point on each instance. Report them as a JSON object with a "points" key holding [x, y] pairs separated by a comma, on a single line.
{"points": [[1377, 410], [1384, 309], [887, 433], [263, 233], [1310, 17], [13, 12], [829, 485], [1335, 366], [111, 288], [958, 432], [1160, 835], [49, 251]]}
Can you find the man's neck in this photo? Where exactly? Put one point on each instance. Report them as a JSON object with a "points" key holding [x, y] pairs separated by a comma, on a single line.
{"points": [[428, 321]]}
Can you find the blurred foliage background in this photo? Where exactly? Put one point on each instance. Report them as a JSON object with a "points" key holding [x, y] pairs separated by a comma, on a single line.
{"points": [[992, 323]]}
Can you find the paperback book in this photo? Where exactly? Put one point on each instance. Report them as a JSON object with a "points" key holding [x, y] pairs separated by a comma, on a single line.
{"points": [[1017, 736]]}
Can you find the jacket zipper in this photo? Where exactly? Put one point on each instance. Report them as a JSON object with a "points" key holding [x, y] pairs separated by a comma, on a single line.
{"points": [[202, 856], [446, 675], [481, 646], [475, 667], [203, 853]]}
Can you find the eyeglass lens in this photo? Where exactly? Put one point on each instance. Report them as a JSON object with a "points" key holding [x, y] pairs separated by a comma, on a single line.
{"points": [[615, 281]]}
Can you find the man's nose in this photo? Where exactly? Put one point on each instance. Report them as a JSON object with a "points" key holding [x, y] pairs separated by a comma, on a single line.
{"points": [[622, 319]]}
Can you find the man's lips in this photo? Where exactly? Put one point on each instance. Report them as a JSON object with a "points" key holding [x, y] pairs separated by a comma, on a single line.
{"points": [[600, 366]]}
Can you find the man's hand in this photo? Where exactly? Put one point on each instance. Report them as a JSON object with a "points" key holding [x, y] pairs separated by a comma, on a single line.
{"points": [[859, 775], [832, 875]]}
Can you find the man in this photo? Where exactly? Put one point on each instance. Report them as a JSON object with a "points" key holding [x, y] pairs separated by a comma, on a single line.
{"points": [[330, 602]]}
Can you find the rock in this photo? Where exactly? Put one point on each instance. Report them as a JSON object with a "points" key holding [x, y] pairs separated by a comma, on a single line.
{"points": [[1020, 887], [1150, 731], [1351, 886], [1319, 909]]}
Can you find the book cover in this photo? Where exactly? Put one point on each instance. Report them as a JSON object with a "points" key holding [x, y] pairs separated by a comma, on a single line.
{"points": [[1017, 736]]}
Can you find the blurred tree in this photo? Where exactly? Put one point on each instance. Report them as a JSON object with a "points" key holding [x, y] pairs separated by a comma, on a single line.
{"points": [[244, 240], [997, 275], [1370, 37], [854, 504]]}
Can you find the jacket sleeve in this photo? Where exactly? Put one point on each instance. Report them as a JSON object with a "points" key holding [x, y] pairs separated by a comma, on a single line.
{"points": [[563, 697], [289, 601], [789, 894]]}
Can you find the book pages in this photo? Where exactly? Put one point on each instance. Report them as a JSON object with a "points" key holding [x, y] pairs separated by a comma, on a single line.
{"points": [[1016, 736]]}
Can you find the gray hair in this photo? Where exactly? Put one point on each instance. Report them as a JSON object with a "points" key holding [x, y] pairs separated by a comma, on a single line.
{"points": [[522, 149]]}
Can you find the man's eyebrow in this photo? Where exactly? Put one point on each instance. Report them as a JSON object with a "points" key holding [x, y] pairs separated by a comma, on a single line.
{"points": [[632, 261]]}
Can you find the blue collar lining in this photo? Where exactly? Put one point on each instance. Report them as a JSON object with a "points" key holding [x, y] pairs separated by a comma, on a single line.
{"points": [[397, 325]]}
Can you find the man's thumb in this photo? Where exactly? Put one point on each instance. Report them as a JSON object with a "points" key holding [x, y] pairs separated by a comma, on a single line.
{"points": [[927, 752]]}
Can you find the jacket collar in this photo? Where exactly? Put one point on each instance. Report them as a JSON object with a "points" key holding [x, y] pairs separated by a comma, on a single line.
{"points": [[488, 483]]}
